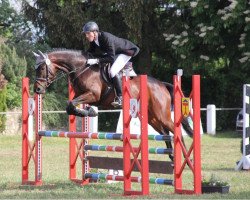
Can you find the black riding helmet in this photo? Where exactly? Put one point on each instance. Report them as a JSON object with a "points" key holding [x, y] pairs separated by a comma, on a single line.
{"points": [[90, 27]]}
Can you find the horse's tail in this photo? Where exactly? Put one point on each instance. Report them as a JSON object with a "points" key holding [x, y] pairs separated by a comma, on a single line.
{"points": [[170, 88], [185, 124]]}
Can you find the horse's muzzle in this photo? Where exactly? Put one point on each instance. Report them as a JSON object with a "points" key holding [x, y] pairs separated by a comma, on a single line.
{"points": [[39, 89]]}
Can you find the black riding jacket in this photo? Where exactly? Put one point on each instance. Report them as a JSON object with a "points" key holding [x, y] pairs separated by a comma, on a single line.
{"points": [[110, 46]]}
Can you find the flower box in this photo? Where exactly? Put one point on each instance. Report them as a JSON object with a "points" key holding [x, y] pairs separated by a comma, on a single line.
{"points": [[213, 189]]}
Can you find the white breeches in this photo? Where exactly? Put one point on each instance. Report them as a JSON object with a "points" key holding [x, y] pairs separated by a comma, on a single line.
{"points": [[119, 63]]}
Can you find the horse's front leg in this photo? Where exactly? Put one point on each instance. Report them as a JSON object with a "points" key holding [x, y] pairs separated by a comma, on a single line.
{"points": [[86, 98]]}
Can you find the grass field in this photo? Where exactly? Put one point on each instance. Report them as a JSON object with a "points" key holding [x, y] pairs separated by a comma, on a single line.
{"points": [[219, 155]]}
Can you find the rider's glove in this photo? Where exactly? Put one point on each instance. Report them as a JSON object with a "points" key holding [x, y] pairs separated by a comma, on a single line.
{"points": [[92, 61]]}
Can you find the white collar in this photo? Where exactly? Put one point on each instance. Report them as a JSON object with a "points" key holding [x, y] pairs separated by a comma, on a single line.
{"points": [[97, 42]]}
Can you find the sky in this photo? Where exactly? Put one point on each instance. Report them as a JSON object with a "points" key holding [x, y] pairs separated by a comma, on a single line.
{"points": [[16, 4]]}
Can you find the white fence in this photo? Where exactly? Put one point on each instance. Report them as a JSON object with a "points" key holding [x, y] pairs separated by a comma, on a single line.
{"points": [[13, 122]]}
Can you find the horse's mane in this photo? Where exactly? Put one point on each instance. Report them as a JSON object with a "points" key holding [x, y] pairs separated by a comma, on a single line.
{"points": [[70, 51]]}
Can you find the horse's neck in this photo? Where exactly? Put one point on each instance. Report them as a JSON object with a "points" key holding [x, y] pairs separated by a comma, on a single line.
{"points": [[73, 65], [69, 63]]}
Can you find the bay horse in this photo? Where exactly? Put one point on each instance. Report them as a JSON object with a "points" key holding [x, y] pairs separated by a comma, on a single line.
{"points": [[91, 88]]}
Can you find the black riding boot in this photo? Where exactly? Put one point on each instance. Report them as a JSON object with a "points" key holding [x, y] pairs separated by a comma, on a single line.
{"points": [[118, 90]]}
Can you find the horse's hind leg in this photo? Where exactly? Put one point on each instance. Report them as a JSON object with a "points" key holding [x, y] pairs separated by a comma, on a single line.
{"points": [[187, 127], [169, 145], [73, 110], [163, 127], [169, 127]]}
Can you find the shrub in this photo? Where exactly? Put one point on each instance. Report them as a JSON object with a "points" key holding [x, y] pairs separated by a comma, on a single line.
{"points": [[3, 108]]}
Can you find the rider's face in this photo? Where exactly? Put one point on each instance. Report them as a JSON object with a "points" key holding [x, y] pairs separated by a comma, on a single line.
{"points": [[91, 36]]}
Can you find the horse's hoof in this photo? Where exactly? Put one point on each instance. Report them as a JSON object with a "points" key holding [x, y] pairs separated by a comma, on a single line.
{"points": [[81, 112], [92, 112]]}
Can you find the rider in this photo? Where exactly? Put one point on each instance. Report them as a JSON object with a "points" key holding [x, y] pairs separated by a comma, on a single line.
{"points": [[115, 50]]}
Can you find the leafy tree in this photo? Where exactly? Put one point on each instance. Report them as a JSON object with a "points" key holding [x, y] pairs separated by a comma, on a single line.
{"points": [[58, 22], [212, 38], [12, 24], [19, 34], [66, 18], [3, 92], [3, 107], [206, 37], [13, 68], [16, 44]]}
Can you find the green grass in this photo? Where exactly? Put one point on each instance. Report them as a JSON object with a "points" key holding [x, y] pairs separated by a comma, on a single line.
{"points": [[219, 156]]}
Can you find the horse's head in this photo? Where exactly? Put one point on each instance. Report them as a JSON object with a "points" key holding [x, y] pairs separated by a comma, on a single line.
{"points": [[45, 72], [70, 62]]}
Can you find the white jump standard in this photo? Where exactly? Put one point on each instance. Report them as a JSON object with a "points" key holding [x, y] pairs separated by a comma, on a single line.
{"points": [[244, 163]]}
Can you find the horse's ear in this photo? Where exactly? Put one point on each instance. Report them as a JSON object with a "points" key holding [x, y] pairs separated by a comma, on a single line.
{"points": [[35, 54], [39, 58], [42, 54]]}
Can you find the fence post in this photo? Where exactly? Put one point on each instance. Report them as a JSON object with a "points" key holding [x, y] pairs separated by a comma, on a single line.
{"points": [[211, 119], [244, 163]]}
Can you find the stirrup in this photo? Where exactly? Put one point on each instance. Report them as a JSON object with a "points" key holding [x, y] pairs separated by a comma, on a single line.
{"points": [[117, 102]]}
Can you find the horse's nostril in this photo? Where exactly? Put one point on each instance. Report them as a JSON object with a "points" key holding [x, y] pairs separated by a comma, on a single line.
{"points": [[38, 90]]}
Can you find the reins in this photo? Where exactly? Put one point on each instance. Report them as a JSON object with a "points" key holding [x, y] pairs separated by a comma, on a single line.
{"points": [[82, 72], [60, 75]]}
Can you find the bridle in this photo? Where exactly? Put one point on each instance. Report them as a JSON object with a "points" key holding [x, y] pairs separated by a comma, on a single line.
{"points": [[48, 80]]}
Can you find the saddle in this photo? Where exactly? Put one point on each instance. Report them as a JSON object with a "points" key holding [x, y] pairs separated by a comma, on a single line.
{"points": [[104, 71], [126, 71]]}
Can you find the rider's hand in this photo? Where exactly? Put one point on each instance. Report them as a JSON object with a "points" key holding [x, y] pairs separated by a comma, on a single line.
{"points": [[92, 61]]}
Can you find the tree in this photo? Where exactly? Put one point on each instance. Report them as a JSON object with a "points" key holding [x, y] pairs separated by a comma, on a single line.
{"points": [[3, 106], [13, 68], [3, 91], [206, 37], [135, 20], [212, 38]]}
